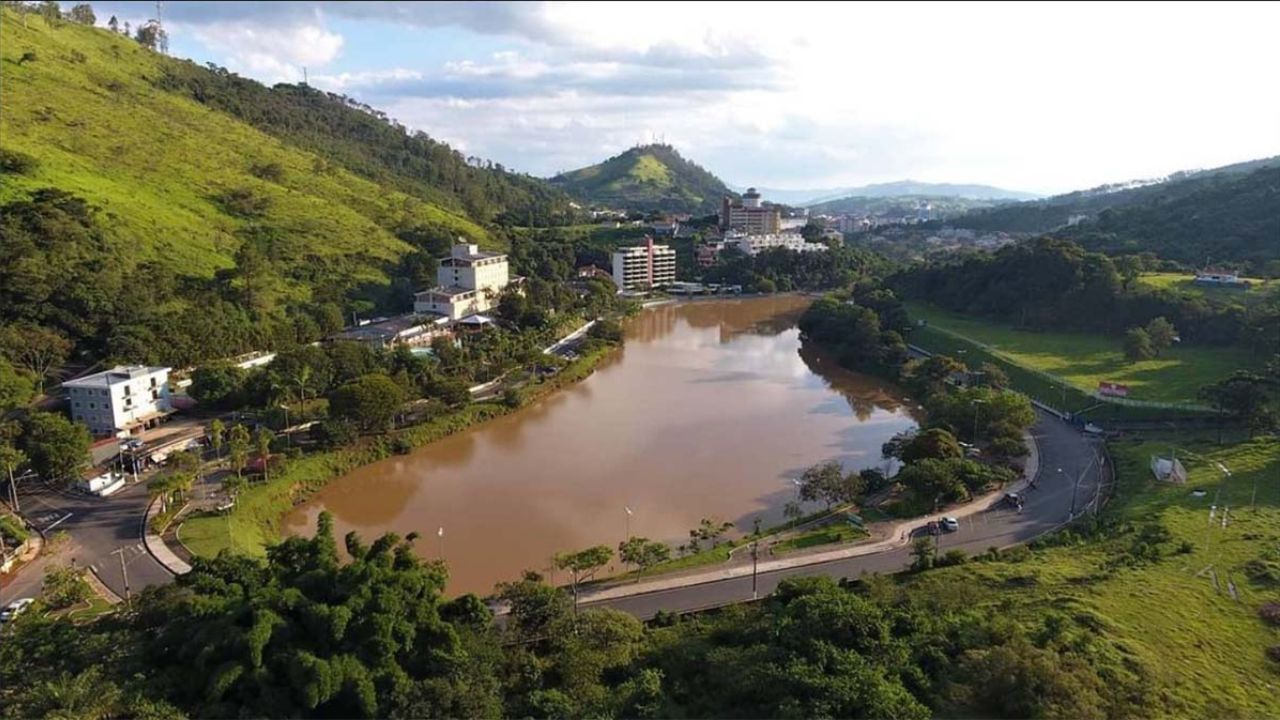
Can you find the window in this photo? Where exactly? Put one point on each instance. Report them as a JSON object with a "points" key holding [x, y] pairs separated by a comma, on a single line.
{"points": [[155, 394], [77, 403], [92, 406], [153, 382]]}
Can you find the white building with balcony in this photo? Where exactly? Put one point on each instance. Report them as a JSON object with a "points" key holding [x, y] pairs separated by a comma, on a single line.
{"points": [[643, 267], [470, 282], [755, 244], [121, 400]]}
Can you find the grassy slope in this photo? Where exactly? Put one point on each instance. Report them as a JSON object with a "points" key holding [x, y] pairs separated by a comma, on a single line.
{"points": [[1203, 649], [153, 161], [652, 176], [1084, 359], [1184, 283]]}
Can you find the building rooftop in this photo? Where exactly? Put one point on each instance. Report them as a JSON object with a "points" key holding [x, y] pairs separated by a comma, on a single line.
{"points": [[450, 290], [114, 376], [388, 329]]}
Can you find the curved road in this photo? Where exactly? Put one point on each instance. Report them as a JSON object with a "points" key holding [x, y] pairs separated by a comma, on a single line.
{"points": [[1046, 507]]}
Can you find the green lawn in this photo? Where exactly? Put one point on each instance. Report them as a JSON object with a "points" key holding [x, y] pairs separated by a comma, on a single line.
{"points": [[1184, 283], [838, 532], [1202, 649], [1084, 360]]}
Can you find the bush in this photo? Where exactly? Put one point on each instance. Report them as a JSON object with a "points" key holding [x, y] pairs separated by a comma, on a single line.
{"points": [[952, 557], [1270, 613], [1273, 653], [1264, 570], [12, 161], [334, 433], [64, 587], [606, 330]]}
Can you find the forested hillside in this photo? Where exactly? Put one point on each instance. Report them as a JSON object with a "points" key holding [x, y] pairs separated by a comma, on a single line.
{"points": [[648, 178], [1054, 212], [143, 223], [1233, 219]]}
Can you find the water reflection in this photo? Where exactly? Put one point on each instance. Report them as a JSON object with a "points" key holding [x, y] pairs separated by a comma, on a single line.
{"points": [[709, 411]]}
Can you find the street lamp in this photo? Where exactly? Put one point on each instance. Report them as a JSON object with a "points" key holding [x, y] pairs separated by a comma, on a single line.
{"points": [[755, 555]]}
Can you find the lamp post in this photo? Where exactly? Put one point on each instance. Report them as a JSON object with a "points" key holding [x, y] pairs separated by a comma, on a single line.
{"points": [[124, 572], [629, 513], [977, 403], [755, 555]]}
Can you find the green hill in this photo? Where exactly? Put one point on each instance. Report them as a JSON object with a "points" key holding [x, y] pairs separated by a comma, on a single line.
{"points": [[940, 206], [646, 178], [128, 195], [1039, 216]]}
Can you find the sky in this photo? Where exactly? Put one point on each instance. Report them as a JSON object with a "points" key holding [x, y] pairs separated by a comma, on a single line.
{"points": [[1037, 97]]}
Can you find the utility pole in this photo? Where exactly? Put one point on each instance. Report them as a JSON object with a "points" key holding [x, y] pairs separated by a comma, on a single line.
{"points": [[13, 492], [976, 405], [755, 556], [124, 572]]}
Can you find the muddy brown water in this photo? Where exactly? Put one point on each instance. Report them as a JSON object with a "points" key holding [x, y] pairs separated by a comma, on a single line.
{"points": [[710, 410]]}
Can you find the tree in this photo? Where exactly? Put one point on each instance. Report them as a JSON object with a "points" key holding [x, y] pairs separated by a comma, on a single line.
{"points": [[922, 551], [11, 458], [933, 480], [1161, 333], [994, 376], [829, 483], [1243, 396], [238, 447], [57, 447], [217, 436], [36, 349], [16, 388], [64, 587], [643, 553], [1137, 345], [262, 439], [710, 531], [217, 386], [50, 11], [792, 511], [83, 14], [583, 565], [932, 443], [370, 402], [152, 36], [113, 24]]}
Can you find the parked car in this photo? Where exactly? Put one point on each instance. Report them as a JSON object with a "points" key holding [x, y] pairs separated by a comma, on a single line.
{"points": [[950, 524], [933, 528], [1012, 498], [14, 609]]}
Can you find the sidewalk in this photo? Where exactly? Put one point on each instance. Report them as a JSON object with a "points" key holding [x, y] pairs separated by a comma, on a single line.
{"points": [[155, 544], [897, 535]]}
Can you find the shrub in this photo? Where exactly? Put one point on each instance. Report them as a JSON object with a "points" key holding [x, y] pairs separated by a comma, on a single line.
{"points": [[1264, 570], [334, 433], [243, 202], [1270, 613], [1273, 652], [12, 161], [64, 587], [952, 557]]}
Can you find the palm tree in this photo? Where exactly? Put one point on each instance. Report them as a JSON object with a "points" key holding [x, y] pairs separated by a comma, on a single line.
{"points": [[86, 695], [217, 433], [263, 441]]}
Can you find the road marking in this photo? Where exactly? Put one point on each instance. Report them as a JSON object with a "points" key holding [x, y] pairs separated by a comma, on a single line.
{"points": [[57, 522], [94, 568]]}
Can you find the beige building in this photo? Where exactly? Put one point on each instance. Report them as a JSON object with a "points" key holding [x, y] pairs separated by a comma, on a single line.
{"points": [[643, 267], [470, 282], [748, 215]]}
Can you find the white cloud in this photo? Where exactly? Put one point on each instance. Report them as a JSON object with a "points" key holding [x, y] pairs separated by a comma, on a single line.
{"points": [[269, 51], [1042, 97]]}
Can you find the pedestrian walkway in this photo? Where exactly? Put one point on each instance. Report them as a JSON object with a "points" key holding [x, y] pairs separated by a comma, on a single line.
{"points": [[896, 536], [157, 548]]}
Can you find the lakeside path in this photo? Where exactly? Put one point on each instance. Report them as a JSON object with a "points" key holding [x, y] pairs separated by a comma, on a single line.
{"points": [[985, 523]]}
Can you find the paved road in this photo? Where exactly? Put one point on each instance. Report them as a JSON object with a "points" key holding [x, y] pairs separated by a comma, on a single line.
{"points": [[97, 527], [1046, 507]]}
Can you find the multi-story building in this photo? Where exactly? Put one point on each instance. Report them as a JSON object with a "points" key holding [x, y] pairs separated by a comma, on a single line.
{"points": [[748, 215], [754, 244], [120, 400], [470, 282], [643, 267]]}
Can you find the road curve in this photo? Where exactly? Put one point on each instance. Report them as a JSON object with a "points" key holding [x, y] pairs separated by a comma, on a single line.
{"points": [[1065, 455]]}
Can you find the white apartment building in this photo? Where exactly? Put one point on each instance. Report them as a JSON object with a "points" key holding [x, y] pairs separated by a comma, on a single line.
{"points": [[755, 244], [644, 266], [470, 282], [120, 400]]}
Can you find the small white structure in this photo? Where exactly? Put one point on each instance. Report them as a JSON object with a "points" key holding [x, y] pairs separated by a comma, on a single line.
{"points": [[1226, 278], [644, 266], [1168, 469], [470, 282], [120, 400], [103, 485]]}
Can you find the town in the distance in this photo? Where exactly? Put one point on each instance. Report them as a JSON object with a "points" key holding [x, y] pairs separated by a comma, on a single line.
{"points": [[310, 409]]}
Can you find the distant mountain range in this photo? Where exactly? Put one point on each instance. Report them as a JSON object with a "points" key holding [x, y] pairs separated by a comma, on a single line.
{"points": [[901, 188], [650, 178]]}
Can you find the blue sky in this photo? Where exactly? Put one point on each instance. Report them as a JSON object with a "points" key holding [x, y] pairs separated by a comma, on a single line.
{"points": [[1038, 97]]}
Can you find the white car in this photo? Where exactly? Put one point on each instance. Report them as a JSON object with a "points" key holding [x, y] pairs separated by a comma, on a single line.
{"points": [[950, 524], [14, 609]]}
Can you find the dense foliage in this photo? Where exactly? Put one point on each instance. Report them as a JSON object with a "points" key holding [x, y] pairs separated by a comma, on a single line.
{"points": [[303, 634], [1054, 284], [783, 270], [646, 178]]}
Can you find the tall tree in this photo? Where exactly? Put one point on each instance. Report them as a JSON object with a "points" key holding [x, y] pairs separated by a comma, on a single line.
{"points": [[583, 565], [58, 448], [1137, 345], [1162, 334], [82, 13], [262, 439], [37, 349], [217, 436], [642, 553], [238, 447]]}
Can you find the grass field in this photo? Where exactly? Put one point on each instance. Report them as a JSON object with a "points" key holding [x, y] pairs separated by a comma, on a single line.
{"points": [[1084, 360], [1183, 283], [1202, 649], [155, 162]]}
